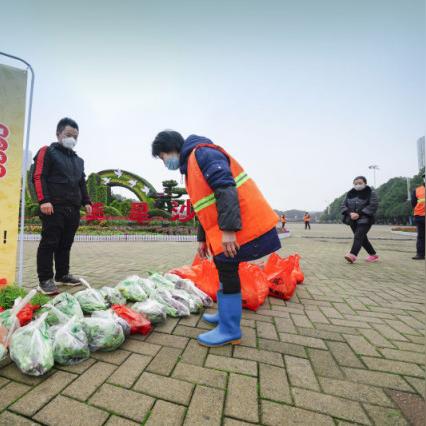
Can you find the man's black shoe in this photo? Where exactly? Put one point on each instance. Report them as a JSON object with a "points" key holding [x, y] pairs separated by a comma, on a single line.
{"points": [[48, 287], [69, 280], [418, 257]]}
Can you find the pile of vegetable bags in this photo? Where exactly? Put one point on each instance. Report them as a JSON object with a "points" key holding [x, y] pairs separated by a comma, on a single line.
{"points": [[68, 328]]}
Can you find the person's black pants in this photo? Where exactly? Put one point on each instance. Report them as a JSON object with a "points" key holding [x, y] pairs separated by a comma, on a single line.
{"points": [[360, 231], [229, 276], [57, 236], [420, 225], [307, 225]]}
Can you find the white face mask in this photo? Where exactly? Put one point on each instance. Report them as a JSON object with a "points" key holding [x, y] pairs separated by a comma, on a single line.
{"points": [[360, 186], [69, 143]]}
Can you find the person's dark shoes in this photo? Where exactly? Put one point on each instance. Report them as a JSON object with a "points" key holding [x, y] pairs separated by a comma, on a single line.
{"points": [[69, 280], [418, 257], [48, 287]]}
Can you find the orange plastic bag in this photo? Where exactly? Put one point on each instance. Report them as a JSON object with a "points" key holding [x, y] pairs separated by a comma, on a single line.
{"points": [[281, 276], [139, 324], [300, 276], [254, 286]]}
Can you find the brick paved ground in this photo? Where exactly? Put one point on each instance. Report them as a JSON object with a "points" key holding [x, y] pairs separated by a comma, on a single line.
{"points": [[348, 349]]}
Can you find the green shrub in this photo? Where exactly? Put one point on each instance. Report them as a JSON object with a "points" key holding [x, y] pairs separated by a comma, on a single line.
{"points": [[158, 213]]}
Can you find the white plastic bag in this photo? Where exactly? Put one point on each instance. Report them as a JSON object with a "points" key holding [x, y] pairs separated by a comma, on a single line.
{"points": [[90, 300]]}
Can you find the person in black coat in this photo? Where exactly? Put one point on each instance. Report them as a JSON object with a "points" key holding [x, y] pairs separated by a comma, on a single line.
{"points": [[358, 210]]}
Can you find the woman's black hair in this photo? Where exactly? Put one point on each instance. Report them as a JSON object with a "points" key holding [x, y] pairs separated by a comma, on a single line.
{"points": [[167, 141], [362, 178]]}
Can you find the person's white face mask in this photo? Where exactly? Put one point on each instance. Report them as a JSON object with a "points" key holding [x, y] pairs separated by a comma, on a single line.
{"points": [[69, 143], [359, 186]]}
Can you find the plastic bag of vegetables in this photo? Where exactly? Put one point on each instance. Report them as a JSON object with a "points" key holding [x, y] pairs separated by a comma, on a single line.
{"points": [[70, 344], [132, 289], [90, 299], [31, 348], [190, 287], [112, 315], [138, 322], [161, 282], [103, 334], [193, 302], [152, 309], [68, 305], [112, 296], [148, 286], [174, 308]]}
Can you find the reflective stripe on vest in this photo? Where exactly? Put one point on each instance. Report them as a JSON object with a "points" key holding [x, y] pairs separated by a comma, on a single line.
{"points": [[211, 199]]}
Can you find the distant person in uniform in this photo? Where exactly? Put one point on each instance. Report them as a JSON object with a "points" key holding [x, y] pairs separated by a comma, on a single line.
{"points": [[418, 203], [60, 185], [307, 220], [358, 210], [283, 221]]}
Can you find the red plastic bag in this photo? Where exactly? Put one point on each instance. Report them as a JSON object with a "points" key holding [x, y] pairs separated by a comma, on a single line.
{"points": [[25, 315], [281, 276], [300, 276], [139, 324], [1, 309], [254, 286]]}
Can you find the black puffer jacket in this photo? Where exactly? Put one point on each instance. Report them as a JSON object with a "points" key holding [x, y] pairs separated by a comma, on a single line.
{"points": [[364, 202], [59, 177]]}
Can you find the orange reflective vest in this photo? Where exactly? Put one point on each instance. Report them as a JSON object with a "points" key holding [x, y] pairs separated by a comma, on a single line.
{"points": [[419, 210], [306, 218], [257, 216]]}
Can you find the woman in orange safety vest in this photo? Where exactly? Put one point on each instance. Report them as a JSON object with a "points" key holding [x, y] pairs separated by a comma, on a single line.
{"points": [[307, 220], [418, 203]]}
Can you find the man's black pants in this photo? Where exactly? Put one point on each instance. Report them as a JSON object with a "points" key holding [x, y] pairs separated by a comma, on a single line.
{"points": [[57, 236], [360, 231], [420, 225], [307, 225]]}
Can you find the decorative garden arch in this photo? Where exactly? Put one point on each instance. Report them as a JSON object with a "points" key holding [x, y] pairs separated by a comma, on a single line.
{"points": [[134, 183]]}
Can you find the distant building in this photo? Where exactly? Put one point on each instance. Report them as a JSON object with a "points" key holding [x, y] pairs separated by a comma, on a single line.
{"points": [[421, 152]]}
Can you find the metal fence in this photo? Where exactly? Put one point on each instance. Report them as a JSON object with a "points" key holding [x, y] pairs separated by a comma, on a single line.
{"points": [[124, 237]]}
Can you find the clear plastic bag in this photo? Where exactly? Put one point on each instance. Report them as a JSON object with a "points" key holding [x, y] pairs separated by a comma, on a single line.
{"points": [[190, 287], [70, 344], [112, 296], [161, 282], [148, 286], [193, 302], [31, 348], [68, 305], [174, 308], [103, 334], [152, 309], [132, 289], [111, 315], [90, 299]]}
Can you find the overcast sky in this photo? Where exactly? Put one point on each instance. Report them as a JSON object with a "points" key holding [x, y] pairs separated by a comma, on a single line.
{"points": [[305, 94]]}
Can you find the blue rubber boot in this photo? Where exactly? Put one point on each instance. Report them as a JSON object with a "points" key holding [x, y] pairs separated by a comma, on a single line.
{"points": [[212, 318], [228, 331]]}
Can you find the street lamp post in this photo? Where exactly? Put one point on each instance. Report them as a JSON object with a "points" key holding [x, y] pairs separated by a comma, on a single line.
{"points": [[374, 167]]}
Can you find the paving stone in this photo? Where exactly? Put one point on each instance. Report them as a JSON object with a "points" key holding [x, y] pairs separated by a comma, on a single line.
{"points": [[406, 346], [337, 329], [259, 355], [194, 353], [190, 321], [241, 398], [274, 384], [330, 312], [330, 405], [130, 370], [300, 373], [142, 348], [167, 340], [10, 393], [266, 330], [399, 355], [167, 388], [402, 327], [282, 347], [39, 396], [77, 368], [191, 332], [376, 338], [274, 414], [388, 332], [221, 351], [123, 402], [232, 422], [393, 366], [317, 316], [343, 308], [344, 355], [256, 317], [206, 407], [417, 384], [89, 381], [360, 345], [324, 364], [356, 391], [303, 340], [3, 381], [385, 416], [120, 421], [412, 406], [301, 321], [12, 372], [248, 323], [249, 337], [8, 419], [285, 325], [168, 326], [200, 375], [116, 357], [320, 334], [277, 312], [164, 361], [66, 411], [166, 414], [232, 365], [377, 378]]}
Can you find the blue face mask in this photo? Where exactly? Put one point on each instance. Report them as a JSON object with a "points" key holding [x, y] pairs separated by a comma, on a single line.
{"points": [[172, 163]]}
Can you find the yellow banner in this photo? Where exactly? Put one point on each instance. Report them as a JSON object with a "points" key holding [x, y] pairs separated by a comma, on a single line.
{"points": [[13, 85]]}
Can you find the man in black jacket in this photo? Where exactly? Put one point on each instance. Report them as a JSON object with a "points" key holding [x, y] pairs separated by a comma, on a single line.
{"points": [[60, 184]]}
